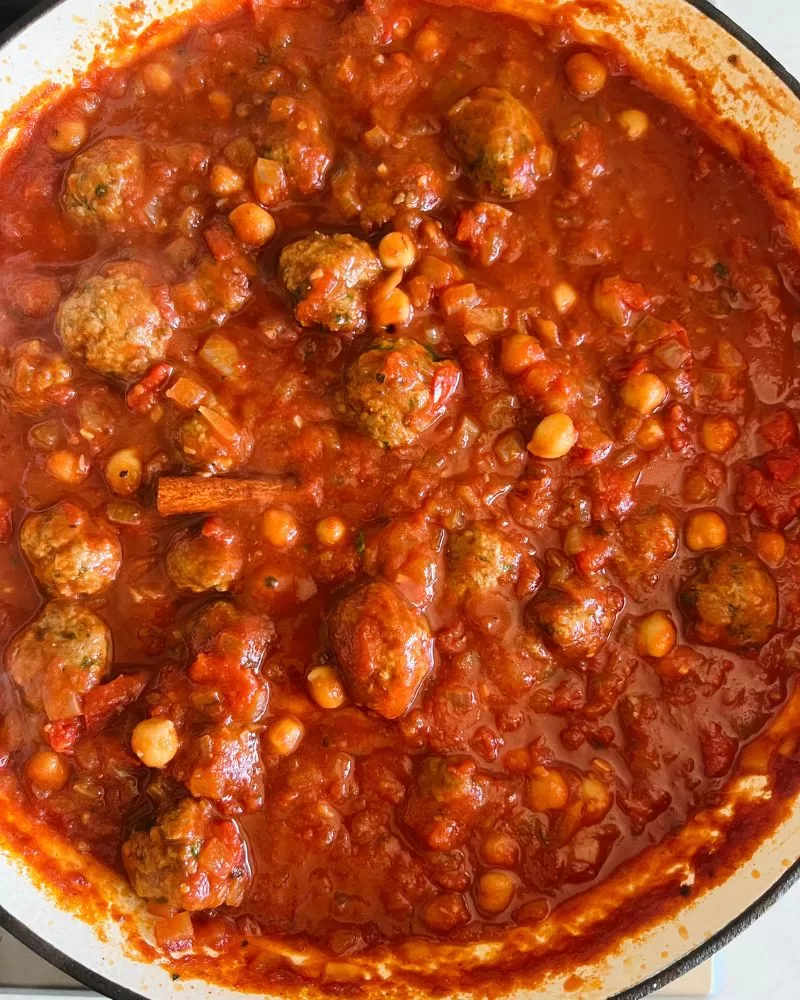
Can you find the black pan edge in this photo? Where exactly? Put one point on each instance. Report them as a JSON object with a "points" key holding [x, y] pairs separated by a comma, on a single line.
{"points": [[100, 984]]}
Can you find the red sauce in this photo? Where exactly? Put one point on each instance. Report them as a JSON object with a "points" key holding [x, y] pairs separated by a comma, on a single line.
{"points": [[521, 365]]}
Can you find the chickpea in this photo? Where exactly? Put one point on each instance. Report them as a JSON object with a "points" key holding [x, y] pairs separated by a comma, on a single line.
{"points": [[123, 472], [495, 892], [501, 850], [554, 437], [224, 180], [547, 789], [252, 224], [519, 352], [771, 547], [719, 434], [47, 771], [595, 799], [657, 635], [634, 123], [155, 742], [533, 912], [221, 103], [586, 74], [285, 735], [325, 687], [156, 78], [331, 530], [650, 435], [643, 393], [279, 527], [397, 250], [394, 309], [429, 43], [445, 913], [564, 297], [67, 467], [67, 137], [706, 530]]}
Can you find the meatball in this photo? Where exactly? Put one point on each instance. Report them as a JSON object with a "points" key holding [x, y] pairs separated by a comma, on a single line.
{"points": [[105, 181], [383, 646], [447, 797], [730, 601], [647, 541], [190, 859], [210, 441], [326, 277], [59, 657], [481, 560], [500, 142], [221, 630], [576, 618], [38, 378], [208, 559], [224, 765], [396, 391], [71, 552], [114, 326]]}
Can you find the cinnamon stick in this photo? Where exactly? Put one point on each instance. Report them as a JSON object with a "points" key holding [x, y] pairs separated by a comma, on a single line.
{"points": [[198, 495]]}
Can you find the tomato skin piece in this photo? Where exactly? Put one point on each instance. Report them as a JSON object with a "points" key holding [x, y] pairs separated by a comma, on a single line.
{"points": [[102, 703]]}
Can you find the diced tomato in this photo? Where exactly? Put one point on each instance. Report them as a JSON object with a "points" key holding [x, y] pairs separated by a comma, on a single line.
{"points": [[63, 734], [779, 429], [718, 750], [103, 702], [6, 520], [141, 396], [174, 934]]}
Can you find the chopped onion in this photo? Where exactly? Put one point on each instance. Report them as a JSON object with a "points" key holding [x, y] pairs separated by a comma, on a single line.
{"points": [[187, 393], [220, 424], [123, 512], [493, 319], [221, 355]]}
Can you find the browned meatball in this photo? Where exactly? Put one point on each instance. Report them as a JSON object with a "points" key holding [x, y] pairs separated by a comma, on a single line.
{"points": [[395, 391], [481, 560], [190, 859], [114, 326], [210, 441], [72, 553], [383, 646], [105, 181], [224, 765], [443, 804], [646, 541], [502, 145], [222, 630], [326, 277], [730, 601], [576, 618], [210, 558], [59, 657]]}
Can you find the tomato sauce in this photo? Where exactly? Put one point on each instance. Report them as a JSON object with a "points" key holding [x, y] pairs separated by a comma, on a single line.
{"points": [[513, 346]]}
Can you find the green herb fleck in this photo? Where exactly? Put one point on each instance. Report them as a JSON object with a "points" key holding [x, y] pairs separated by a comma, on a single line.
{"points": [[360, 543], [721, 270], [271, 582], [101, 190]]}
